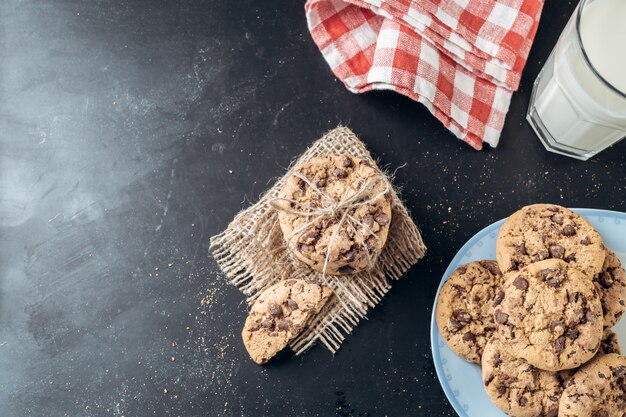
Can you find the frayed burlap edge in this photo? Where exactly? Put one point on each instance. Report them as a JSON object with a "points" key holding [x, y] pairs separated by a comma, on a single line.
{"points": [[253, 255]]}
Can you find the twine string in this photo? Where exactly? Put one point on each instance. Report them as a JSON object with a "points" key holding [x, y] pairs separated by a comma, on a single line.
{"points": [[333, 209]]}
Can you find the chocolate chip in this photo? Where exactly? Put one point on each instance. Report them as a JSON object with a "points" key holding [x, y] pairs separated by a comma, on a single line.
{"points": [[600, 413], [382, 219], [606, 279], [477, 298], [371, 241], [267, 324], [455, 325], [461, 270], [522, 401], [568, 230], [497, 361], [274, 310], [554, 282], [320, 182], [501, 389], [557, 218], [368, 220], [590, 315], [573, 297], [522, 249], [290, 282], [292, 304], [498, 298], [541, 255], [559, 345], [553, 209], [347, 162], [572, 334], [345, 270], [340, 173], [350, 255], [469, 337], [515, 264], [557, 251], [554, 398], [555, 324], [490, 266], [520, 283], [301, 184], [552, 277], [462, 316], [254, 327], [586, 241], [283, 324], [570, 258], [619, 371], [501, 317]]}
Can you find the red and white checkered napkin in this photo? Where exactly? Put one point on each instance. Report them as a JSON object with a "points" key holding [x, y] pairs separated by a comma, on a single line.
{"points": [[461, 58]]}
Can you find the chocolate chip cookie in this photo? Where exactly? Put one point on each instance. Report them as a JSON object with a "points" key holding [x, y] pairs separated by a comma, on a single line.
{"points": [[279, 314], [465, 308], [335, 213], [598, 389], [515, 386], [611, 285], [548, 231], [550, 315]]}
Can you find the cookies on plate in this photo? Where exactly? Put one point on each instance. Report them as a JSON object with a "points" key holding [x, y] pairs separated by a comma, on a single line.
{"points": [[515, 386], [279, 314], [465, 308], [596, 389], [548, 231], [611, 285], [550, 315], [335, 212]]}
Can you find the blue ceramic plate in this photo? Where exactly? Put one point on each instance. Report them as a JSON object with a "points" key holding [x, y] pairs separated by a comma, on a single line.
{"points": [[460, 380]]}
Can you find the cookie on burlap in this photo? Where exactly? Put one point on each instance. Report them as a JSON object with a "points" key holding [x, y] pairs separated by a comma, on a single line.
{"points": [[543, 231], [465, 308], [515, 386], [550, 315], [279, 314], [611, 285], [597, 389], [312, 223]]}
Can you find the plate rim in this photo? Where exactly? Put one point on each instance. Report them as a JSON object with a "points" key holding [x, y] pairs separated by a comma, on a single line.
{"points": [[434, 330]]}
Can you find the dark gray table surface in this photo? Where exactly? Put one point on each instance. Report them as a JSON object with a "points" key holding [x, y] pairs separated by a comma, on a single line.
{"points": [[132, 131]]}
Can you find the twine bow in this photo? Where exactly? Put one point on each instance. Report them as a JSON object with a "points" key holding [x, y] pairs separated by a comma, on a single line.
{"points": [[334, 209]]}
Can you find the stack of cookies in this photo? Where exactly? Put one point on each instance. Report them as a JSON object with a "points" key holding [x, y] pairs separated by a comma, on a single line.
{"points": [[334, 212], [538, 320]]}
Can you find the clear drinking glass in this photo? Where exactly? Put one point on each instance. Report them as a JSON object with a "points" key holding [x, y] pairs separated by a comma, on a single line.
{"points": [[574, 109]]}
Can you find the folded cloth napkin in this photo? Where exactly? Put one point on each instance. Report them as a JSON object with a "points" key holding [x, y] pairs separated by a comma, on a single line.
{"points": [[462, 59]]}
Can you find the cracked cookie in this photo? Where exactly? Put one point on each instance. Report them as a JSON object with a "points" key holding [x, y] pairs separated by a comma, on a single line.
{"points": [[611, 285], [465, 308], [279, 314], [548, 231], [337, 239], [550, 315], [515, 386], [597, 389]]}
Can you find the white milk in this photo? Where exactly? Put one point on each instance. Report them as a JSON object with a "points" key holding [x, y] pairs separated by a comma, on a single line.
{"points": [[574, 105], [603, 32]]}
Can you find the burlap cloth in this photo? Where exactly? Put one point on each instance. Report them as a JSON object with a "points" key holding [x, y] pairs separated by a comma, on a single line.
{"points": [[253, 254]]}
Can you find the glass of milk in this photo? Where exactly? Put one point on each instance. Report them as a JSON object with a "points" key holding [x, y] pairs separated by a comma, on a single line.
{"points": [[578, 105]]}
